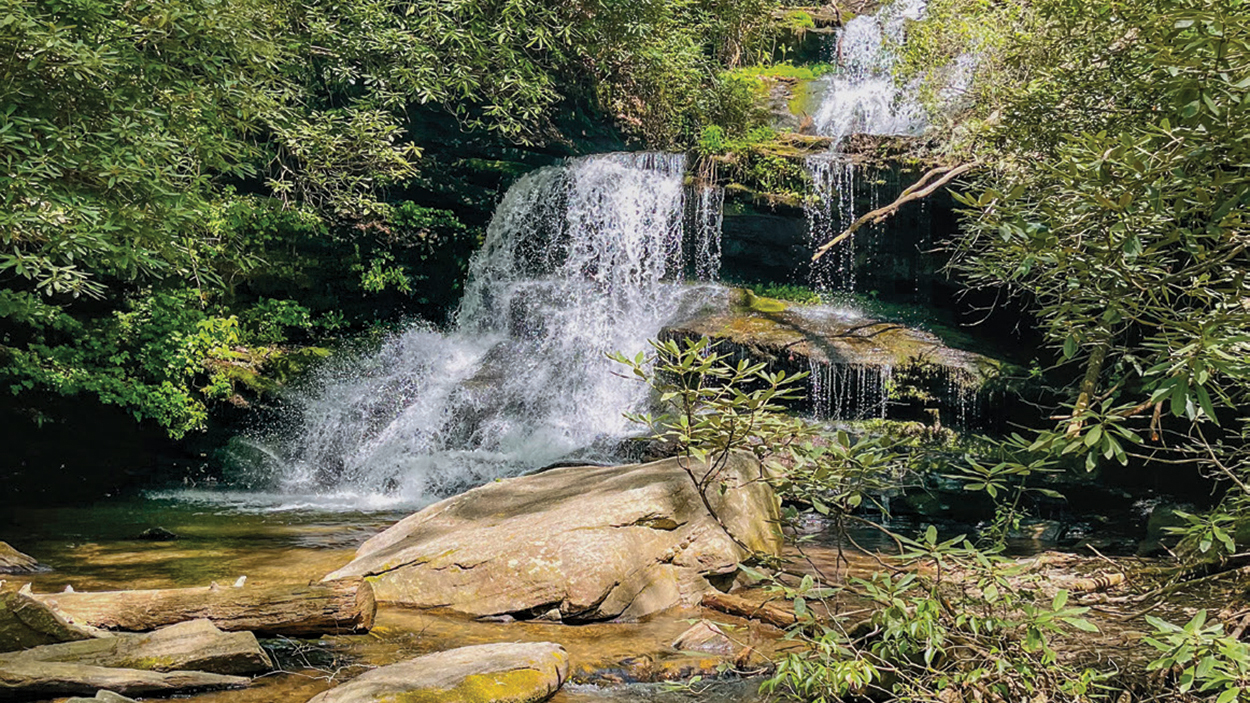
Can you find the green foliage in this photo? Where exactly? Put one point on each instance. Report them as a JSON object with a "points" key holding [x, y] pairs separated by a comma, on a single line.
{"points": [[1112, 137], [946, 617], [128, 132], [786, 291], [711, 407], [1211, 665]]}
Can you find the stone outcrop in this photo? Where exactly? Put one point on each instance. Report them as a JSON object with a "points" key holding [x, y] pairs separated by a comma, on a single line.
{"points": [[183, 658], [15, 562], [488, 673], [28, 679], [575, 544], [197, 645], [25, 622], [860, 367]]}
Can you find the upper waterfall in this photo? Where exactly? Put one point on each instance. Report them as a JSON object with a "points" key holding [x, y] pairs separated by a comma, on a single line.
{"points": [[579, 260], [862, 96]]}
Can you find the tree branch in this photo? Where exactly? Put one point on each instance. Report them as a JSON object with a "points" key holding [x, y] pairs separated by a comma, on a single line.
{"points": [[920, 189]]}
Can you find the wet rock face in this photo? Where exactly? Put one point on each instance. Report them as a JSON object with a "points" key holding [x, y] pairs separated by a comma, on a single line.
{"points": [[860, 368], [574, 544], [503, 673], [15, 562]]}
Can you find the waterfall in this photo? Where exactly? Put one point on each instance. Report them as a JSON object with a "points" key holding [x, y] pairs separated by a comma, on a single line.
{"points": [[860, 97], [709, 217], [579, 260]]}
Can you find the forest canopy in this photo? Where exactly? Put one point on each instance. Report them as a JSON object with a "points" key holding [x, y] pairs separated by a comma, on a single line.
{"points": [[183, 181]]}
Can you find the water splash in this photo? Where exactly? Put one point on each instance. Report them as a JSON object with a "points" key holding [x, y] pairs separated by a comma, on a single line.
{"points": [[578, 261]]}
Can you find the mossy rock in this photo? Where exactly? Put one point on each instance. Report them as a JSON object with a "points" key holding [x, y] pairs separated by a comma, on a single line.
{"points": [[489, 673]]}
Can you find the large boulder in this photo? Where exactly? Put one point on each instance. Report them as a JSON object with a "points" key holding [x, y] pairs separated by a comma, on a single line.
{"points": [[576, 544], [487, 673]]}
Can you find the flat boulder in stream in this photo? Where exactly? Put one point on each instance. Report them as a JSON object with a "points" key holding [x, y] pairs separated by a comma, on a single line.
{"points": [[575, 544], [489, 673]]}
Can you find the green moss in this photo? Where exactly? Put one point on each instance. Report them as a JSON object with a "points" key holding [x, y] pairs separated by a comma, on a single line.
{"points": [[516, 686], [761, 304]]}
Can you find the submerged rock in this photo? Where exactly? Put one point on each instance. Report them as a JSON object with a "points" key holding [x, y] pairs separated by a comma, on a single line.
{"points": [[705, 637], [575, 544], [103, 697], [157, 534], [15, 562], [502, 673]]}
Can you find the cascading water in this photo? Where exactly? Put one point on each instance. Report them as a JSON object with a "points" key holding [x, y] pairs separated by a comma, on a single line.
{"points": [[708, 220], [578, 261], [861, 97]]}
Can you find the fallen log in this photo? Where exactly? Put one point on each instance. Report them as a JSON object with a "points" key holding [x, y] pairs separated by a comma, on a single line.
{"points": [[743, 608], [333, 607], [190, 646], [29, 679]]}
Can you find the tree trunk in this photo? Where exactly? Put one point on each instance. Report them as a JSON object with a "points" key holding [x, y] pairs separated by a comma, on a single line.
{"points": [[1089, 386], [335, 607]]}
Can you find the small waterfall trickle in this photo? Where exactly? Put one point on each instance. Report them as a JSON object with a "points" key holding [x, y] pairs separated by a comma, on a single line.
{"points": [[833, 185], [850, 391], [579, 260], [708, 214]]}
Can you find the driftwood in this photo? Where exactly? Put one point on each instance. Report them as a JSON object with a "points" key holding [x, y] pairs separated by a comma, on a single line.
{"points": [[190, 646], [334, 607], [27, 679], [743, 608]]}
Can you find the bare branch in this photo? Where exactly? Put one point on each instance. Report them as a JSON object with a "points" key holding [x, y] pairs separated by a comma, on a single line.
{"points": [[917, 191]]}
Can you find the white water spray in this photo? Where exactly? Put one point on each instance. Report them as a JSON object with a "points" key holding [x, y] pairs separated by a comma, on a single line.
{"points": [[578, 261]]}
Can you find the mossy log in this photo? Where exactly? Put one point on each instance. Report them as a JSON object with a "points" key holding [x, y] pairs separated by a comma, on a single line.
{"points": [[334, 607]]}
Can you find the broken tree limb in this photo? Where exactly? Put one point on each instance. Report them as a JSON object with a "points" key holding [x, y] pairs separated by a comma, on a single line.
{"points": [[334, 607], [743, 608], [917, 191]]}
